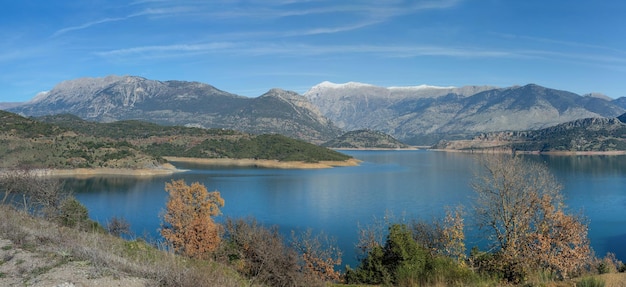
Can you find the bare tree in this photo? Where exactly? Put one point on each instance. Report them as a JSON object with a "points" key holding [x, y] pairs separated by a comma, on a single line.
{"points": [[14, 181], [445, 236], [40, 195], [520, 205], [46, 195]]}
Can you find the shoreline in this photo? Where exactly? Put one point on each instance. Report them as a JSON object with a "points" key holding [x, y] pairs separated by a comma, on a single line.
{"points": [[556, 153], [377, 148], [164, 169], [267, 163], [169, 168]]}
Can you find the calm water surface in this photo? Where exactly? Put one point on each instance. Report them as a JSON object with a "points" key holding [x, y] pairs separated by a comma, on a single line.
{"points": [[406, 184]]}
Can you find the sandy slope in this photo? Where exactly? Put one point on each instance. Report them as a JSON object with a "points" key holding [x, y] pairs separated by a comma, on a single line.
{"points": [[264, 163]]}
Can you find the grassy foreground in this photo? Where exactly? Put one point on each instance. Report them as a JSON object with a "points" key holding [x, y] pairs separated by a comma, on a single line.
{"points": [[36, 252]]}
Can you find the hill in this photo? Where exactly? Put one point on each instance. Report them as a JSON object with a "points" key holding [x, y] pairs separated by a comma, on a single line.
{"points": [[177, 141], [365, 139], [116, 98], [423, 115], [66, 141], [33, 144], [584, 135]]}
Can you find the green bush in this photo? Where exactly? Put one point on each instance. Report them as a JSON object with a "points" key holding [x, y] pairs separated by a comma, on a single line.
{"points": [[400, 262], [72, 212], [404, 262]]}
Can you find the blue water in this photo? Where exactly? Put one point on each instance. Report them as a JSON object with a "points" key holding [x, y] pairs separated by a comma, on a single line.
{"points": [[405, 184]]}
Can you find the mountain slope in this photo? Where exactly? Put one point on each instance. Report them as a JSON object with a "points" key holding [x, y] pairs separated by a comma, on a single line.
{"points": [[365, 139], [583, 135], [66, 141], [178, 141], [422, 115], [621, 102], [116, 98], [28, 143]]}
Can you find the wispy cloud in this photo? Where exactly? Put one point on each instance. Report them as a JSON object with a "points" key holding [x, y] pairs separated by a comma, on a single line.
{"points": [[289, 50], [146, 12], [561, 42], [167, 50], [86, 25]]}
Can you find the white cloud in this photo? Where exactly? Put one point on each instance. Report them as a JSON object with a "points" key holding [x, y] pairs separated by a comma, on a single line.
{"points": [[275, 49], [86, 25]]}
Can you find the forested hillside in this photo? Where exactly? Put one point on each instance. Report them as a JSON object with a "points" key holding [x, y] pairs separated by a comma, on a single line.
{"points": [[66, 141]]}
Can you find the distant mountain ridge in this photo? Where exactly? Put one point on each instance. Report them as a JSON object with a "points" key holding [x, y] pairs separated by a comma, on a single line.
{"points": [[582, 135], [416, 115], [195, 104], [365, 139], [423, 115]]}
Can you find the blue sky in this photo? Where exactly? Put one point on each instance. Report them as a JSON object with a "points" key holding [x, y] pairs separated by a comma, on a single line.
{"points": [[249, 47]]}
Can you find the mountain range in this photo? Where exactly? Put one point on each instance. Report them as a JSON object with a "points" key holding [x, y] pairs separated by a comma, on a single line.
{"points": [[417, 115], [423, 115], [579, 136], [192, 104]]}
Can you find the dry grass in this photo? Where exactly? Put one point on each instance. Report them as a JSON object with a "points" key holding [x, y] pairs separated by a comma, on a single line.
{"points": [[614, 279], [102, 255]]}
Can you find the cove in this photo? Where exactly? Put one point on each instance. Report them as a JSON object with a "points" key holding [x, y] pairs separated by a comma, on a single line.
{"points": [[412, 184]]}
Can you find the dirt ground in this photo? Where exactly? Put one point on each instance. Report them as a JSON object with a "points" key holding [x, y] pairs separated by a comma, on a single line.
{"points": [[614, 279], [38, 268]]}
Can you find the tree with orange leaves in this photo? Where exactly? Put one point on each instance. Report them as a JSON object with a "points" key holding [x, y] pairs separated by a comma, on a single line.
{"points": [[520, 205], [188, 220]]}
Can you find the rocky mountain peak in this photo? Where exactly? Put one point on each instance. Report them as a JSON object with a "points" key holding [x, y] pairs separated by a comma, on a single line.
{"points": [[598, 96], [114, 98]]}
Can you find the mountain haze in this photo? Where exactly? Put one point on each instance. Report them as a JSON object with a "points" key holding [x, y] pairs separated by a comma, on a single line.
{"points": [[422, 115], [196, 104]]}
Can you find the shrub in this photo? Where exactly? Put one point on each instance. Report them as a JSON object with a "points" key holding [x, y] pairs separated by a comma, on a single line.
{"points": [[118, 226], [72, 213], [401, 261], [608, 264], [318, 255], [260, 253]]}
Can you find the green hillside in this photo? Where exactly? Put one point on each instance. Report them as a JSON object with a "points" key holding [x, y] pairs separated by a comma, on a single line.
{"points": [[66, 141], [34, 144]]}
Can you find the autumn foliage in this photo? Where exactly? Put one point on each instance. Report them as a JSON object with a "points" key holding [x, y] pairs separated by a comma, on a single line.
{"points": [[188, 225], [520, 205]]}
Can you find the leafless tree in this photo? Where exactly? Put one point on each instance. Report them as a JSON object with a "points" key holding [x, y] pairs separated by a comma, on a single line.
{"points": [[520, 205], [40, 195]]}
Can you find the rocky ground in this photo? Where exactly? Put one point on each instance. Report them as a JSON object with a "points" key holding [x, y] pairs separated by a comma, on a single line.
{"points": [[31, 266]]}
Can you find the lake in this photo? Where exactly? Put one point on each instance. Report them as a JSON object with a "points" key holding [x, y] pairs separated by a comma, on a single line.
{"points": [[414, 184]]}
